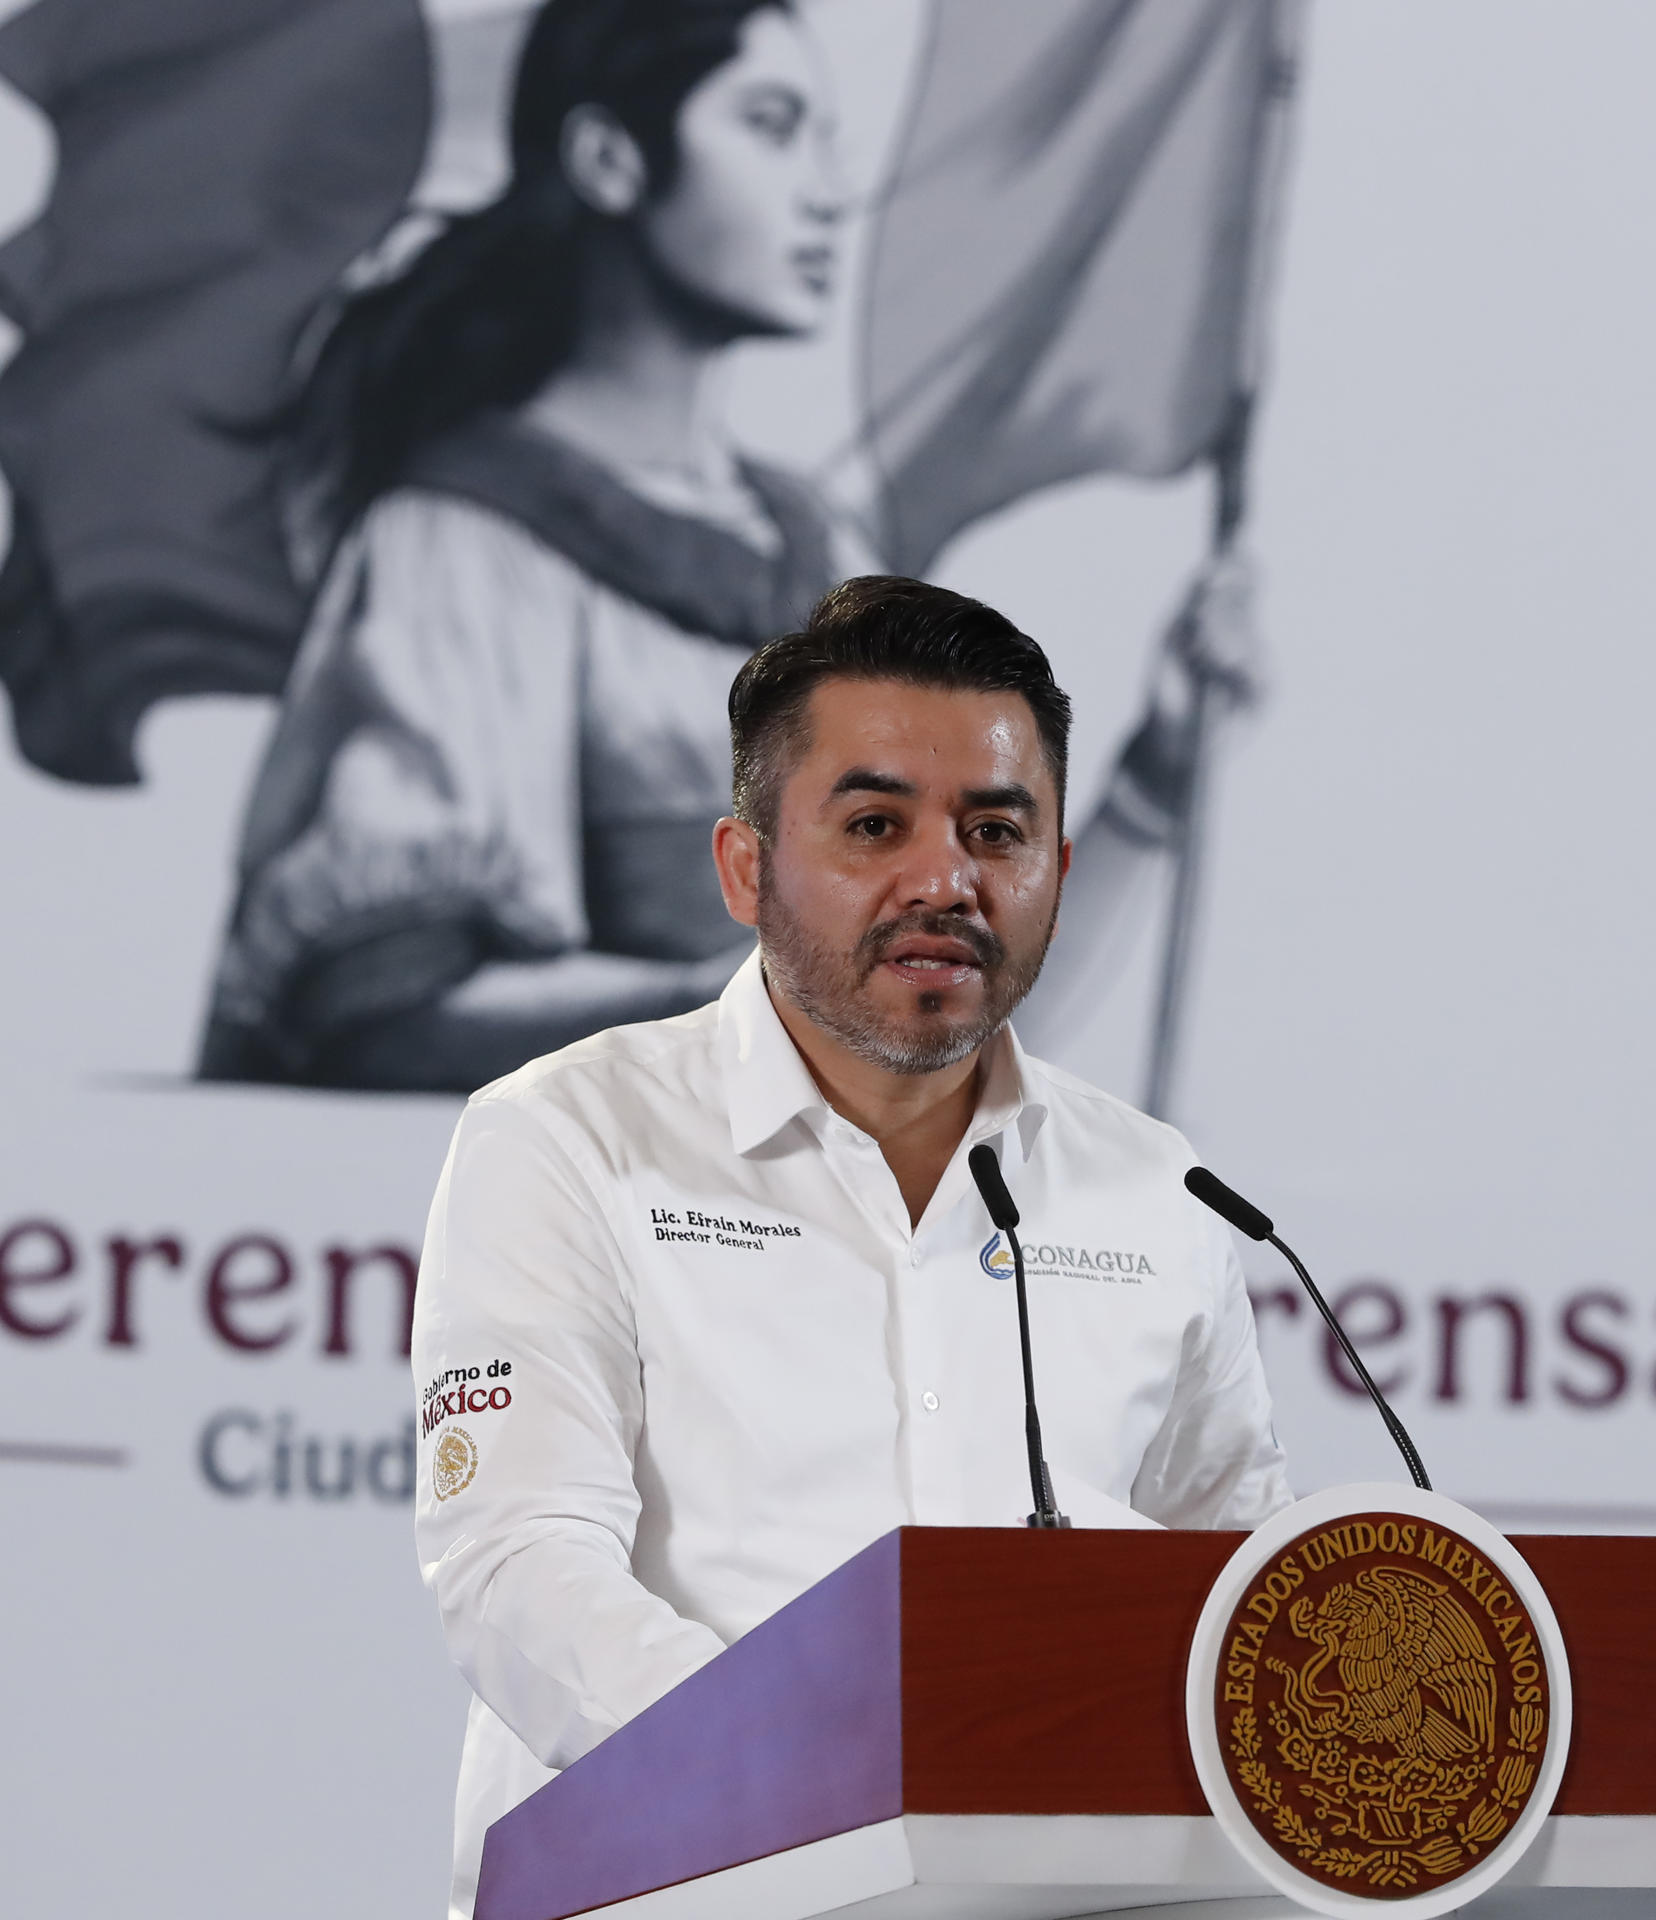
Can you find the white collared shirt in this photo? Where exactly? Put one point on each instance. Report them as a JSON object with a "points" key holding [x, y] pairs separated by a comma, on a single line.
{"points": [[706, 1359]]}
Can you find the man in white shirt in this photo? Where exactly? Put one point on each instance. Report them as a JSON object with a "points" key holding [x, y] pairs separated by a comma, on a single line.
{"points": [[710, 1303]]}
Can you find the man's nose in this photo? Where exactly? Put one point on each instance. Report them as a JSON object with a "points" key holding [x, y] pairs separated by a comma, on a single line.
{"points": [[938, 872]]}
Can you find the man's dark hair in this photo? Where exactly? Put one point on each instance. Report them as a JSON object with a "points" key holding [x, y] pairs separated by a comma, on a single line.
{"points": [[881, 627]]}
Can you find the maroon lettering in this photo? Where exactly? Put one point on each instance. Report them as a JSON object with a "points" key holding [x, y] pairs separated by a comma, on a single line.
{"points": [[441, 1407], [254, 1266], [1451, 1313], [342, 1264], [1572, 1324], [125, 1258], [34, 1253]]}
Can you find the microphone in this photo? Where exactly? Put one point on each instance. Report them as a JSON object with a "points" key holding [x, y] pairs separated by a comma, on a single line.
{"points": [[1246, 1218], [991, 1186]]}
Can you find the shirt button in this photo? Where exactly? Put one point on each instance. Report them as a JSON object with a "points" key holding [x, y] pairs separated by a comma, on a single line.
{"points": [[930, 1401], [914, 1256]]}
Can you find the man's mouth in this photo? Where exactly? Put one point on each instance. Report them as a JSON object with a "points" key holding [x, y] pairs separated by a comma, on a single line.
{"points": [[933, 963], [931, 958]]}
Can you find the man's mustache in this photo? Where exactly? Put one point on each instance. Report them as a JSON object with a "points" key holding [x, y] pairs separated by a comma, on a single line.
{"points": [[987, 951]]}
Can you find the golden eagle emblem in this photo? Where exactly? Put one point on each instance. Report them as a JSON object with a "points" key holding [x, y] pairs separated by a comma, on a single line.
{"points": [[1414, 1672], [454, 1463], [1381, 1729]]}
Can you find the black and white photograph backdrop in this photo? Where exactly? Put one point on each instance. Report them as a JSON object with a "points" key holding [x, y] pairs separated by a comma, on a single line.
{"points": [[412, 412]]}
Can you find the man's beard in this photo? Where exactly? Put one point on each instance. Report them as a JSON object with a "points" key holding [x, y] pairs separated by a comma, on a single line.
{"points": [[830, 988]]}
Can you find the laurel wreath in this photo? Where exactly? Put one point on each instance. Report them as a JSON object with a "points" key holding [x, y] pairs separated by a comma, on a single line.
{"points": [[1439, 1855]]}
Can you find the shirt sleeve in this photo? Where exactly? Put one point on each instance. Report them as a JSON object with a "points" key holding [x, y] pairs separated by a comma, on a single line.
{"points": [[531, 1405], [418, 810], [1215, 1461]]}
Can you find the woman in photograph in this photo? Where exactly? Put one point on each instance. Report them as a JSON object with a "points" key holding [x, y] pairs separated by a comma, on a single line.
{"points": [[481, 827]]}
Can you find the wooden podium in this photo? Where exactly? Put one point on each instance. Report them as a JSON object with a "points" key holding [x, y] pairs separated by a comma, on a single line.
{"points": [[989, 1725]]}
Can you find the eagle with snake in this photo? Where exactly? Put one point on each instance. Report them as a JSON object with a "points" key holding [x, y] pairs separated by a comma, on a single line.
{"points": [[1414, 1671]]}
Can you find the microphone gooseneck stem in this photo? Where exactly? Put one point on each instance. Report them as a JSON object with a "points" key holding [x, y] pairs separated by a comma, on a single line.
{"points": [[997, 1203], [1394, 1426], [1046, 1512], [1247, 1218]]}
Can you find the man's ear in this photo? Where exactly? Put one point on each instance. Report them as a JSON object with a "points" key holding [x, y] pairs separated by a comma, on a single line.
{"points": [[1066, 850], [736, 856], [602, 162]]}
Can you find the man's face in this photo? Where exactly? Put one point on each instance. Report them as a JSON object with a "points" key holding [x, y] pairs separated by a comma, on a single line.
{"points": [[906, 903]]}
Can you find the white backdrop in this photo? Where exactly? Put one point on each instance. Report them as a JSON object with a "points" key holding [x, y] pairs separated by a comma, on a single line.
{"points": [[1421, 1035]]}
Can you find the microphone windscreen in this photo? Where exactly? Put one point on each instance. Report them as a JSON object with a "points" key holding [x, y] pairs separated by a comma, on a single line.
{"points": [[1212, 1192], [987, 1175]]}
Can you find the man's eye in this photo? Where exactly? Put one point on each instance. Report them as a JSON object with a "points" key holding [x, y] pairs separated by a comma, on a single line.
{"points": [[871, 826], [998, 833]]}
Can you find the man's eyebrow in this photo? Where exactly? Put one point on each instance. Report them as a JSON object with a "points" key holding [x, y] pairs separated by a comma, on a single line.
{"points": [[1013, 798], [866, 780]]}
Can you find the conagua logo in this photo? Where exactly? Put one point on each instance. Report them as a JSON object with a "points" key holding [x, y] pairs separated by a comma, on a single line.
{"points": [[1383, 1705], [1045, 1259], [453, 1463]]}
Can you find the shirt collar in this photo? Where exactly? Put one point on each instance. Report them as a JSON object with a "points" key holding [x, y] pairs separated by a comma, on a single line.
{"points": [[767, 1083]]}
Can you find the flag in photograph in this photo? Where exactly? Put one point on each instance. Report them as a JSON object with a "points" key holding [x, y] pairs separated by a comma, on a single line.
{"points": [[1067, 253], [219, 164]]}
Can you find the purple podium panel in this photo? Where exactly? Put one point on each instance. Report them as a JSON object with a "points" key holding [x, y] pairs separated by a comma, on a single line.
{"points": [[791, 1735]]}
